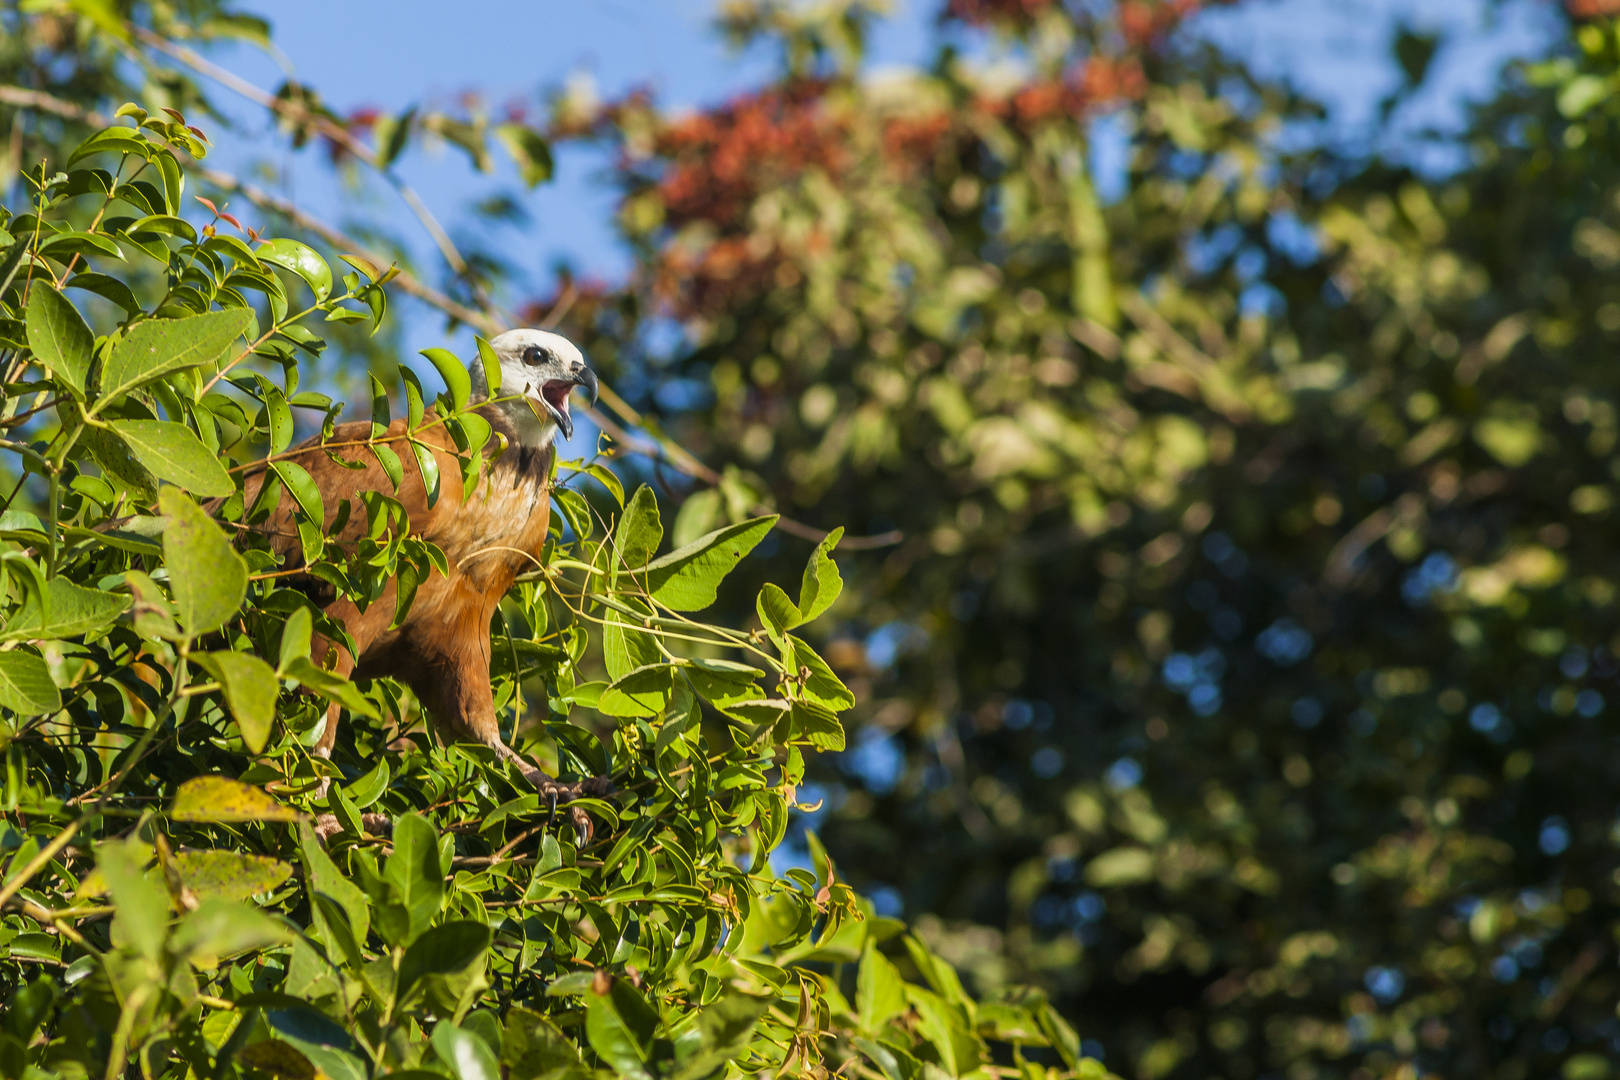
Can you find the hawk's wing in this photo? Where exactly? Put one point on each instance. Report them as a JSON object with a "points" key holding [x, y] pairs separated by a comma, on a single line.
{"points": [[343, 467]]}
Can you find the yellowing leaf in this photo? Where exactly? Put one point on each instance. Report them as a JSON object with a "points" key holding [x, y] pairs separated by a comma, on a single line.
{"points": [[219, 798]]}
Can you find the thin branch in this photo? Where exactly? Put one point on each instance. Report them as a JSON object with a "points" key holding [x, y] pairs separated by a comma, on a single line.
{"points": [[336, 132], [407, 281], [24, 98], [655, 447]]}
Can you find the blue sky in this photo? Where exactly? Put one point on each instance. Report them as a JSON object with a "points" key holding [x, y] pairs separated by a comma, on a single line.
{"points": [[394, 53]]}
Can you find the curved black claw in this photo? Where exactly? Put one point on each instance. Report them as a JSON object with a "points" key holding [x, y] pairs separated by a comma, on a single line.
{"points": [[556, 792]]}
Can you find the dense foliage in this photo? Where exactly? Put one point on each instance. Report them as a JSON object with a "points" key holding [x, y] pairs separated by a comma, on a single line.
{"points": [[170, 909], [1245, 676], [1243, 672]]}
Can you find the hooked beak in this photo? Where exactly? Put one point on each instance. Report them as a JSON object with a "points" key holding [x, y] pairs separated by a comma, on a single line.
{"points": [[554, 397]]}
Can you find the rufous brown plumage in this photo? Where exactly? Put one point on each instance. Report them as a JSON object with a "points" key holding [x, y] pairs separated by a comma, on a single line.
{"points": [[441, 649]]}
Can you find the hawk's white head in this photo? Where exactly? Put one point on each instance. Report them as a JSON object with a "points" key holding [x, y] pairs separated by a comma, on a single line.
{"points": [[538, 371]]}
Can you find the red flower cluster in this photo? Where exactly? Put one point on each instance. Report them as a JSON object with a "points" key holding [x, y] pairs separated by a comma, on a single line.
{"points": [[1592, 9], [716, 164], [913, 140], [1099, 82], [722, 159]]}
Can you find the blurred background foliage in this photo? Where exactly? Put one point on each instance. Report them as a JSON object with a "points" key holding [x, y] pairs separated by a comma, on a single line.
{"points": [[1244, 670]]}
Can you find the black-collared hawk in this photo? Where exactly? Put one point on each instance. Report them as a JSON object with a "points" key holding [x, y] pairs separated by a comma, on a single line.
{"points": [[442, 649]]}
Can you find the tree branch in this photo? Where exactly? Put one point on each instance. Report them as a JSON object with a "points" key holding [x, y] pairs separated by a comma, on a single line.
{"points": [[656, 446], [336, 132]]}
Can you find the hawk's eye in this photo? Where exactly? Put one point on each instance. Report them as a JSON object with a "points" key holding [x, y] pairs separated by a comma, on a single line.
{"points": [[532, 355]]}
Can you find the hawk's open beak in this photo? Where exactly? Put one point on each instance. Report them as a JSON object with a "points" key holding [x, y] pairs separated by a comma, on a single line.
{"points": [[554, 396]]}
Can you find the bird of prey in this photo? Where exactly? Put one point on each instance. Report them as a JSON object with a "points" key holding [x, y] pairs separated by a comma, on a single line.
{"points": [[442, 648]]}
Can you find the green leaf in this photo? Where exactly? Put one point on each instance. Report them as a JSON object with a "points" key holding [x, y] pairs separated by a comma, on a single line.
{"points": [[822, 686], [219, 798], [429, 466], [687, 579], [220, 928], [25, 684], [625, 646], [63, 610], [468, 1056], [696, 516], [642, 692], [639, 531], [59, 337], [777, 614], [723, 682], [141, 918], [326, 1044], [370, 787], [620, 1027], [945, 1026], [303, 489], [608, 479], [817, 724], [415, 879], [331, 686], [879, 990], [172, 452], [722, 1033], [110, 288], [492, 367], [117, 140], [67, 244], [822, 583], [1581, 93], [939, 973], [1060, 1035], [302, 260], [533, 1045], [296, 635], [392, 135], [575, 510], [324, 880], [206, 575], [279, 415], [443, 950], [391, 465], [457, 383], [529, 151], [153, 349], [230, 875], [250, 689]]}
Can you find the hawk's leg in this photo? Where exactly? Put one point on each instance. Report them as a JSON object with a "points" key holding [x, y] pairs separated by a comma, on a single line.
{"points": [[555, 793], [455, 688]]}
